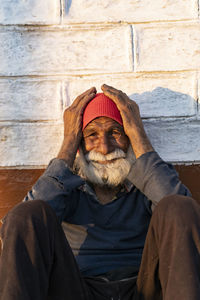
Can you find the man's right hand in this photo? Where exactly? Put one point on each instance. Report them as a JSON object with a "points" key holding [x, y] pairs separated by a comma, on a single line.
{"points": [[131, 118], [73, 126]]}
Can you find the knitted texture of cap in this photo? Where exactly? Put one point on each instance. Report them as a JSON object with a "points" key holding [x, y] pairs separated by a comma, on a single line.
{"points": [[101, 106]]}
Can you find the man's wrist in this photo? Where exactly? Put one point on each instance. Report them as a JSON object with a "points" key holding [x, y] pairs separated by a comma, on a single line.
{"points": [[141, 144], [142, 150], [68, 152]]}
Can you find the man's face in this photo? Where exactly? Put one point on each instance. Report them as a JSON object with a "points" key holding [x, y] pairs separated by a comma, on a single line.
{"points": [[105, 157], [104, 135]]}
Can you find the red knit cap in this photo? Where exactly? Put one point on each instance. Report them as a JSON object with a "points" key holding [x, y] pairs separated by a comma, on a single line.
{"points": [[101, 106]]}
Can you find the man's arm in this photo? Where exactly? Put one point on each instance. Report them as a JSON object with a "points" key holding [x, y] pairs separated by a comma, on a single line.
{"points": [[73, 126], [155, 178], [132, 121], [58, 181], [150, 174]]}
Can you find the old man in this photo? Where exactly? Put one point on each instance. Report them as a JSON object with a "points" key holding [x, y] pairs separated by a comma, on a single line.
{"points": [[131, 228]]}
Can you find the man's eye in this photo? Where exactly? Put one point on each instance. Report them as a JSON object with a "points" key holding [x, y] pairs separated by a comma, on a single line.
{"points": [[116, 133], [93, 134]]}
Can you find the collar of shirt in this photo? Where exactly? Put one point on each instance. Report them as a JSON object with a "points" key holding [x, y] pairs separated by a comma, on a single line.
{"points": [[126, 188]]}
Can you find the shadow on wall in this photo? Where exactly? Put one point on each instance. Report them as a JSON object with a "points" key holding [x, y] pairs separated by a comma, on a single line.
{"points": [[163, 102], [67, 6], [170, 120]]}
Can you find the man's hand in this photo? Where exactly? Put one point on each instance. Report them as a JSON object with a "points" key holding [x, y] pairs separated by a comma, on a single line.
{"points": [[131, 118], [73, 126]]}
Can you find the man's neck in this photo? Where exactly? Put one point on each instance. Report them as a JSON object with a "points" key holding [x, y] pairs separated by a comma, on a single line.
{"points": [[106, 194]]}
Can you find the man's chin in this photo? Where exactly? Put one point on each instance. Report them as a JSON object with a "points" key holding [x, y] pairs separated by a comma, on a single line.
{"points": [[110, 175]]}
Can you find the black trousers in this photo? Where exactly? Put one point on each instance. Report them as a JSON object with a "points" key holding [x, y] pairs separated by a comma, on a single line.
{"points": [[36, 260]]}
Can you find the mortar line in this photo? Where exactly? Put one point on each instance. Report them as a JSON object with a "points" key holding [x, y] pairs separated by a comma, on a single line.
{"points": [[197, 87], [62, 11], [135, 48], [107, 24], [132, 49], [79, 73], [62, 95]]}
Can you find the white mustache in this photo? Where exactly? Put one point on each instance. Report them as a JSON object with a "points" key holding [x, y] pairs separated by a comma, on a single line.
{"points": [[96, 156], [112, 174]]}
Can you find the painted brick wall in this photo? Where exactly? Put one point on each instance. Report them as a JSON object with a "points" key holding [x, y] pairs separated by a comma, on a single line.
{"points": [[52, 50]]}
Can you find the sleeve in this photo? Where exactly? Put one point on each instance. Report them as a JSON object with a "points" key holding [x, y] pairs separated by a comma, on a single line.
{"points": [[156, 178], [57, 186]]}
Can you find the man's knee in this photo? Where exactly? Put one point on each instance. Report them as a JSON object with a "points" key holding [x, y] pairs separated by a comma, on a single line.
{"points": [[27, 211], [178, 206]]}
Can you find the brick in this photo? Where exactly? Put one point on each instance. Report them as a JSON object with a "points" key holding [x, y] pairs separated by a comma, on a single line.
{"points": [[175, 141], [41, 52], [167, 47], [130, 11], [30, 100], [29, 144], [30, 12], [158, 95]]}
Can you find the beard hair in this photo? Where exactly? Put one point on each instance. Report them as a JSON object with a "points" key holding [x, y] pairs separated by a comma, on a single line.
{"points": [[111, 174]]}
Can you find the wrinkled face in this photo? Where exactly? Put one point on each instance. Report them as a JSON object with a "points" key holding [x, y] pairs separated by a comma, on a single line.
{"points": [[104, 135], [105, 157]]}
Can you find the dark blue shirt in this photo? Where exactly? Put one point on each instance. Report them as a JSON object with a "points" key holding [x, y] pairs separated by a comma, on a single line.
{"points": [[110, 236]]}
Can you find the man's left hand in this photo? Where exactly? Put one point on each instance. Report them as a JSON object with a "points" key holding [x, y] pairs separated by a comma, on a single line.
{"points": [[131, 118]]}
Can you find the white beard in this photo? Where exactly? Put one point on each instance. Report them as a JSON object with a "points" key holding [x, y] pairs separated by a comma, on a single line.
{"points": [[111, 174]]}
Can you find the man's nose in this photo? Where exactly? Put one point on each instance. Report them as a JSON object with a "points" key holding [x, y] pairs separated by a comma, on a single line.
{"points": [[105, 146]]}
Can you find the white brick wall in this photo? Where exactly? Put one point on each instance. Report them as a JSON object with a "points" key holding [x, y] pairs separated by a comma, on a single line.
{"points": [[53, 50], [168, 47], [50, 51], [30, 100], [158, 95], [29, 12], [87, 11], [177, 140], [29, 143]]}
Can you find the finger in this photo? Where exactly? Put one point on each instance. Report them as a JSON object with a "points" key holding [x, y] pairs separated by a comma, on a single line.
{"points": [[115, 92], [88, 92], [117, 96], [91, 90], [84, 102], [110, 89], [80, 97], [80, 106]]}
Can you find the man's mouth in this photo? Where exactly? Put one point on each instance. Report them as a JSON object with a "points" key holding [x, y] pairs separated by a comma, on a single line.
{"points": [[105, 162]]}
